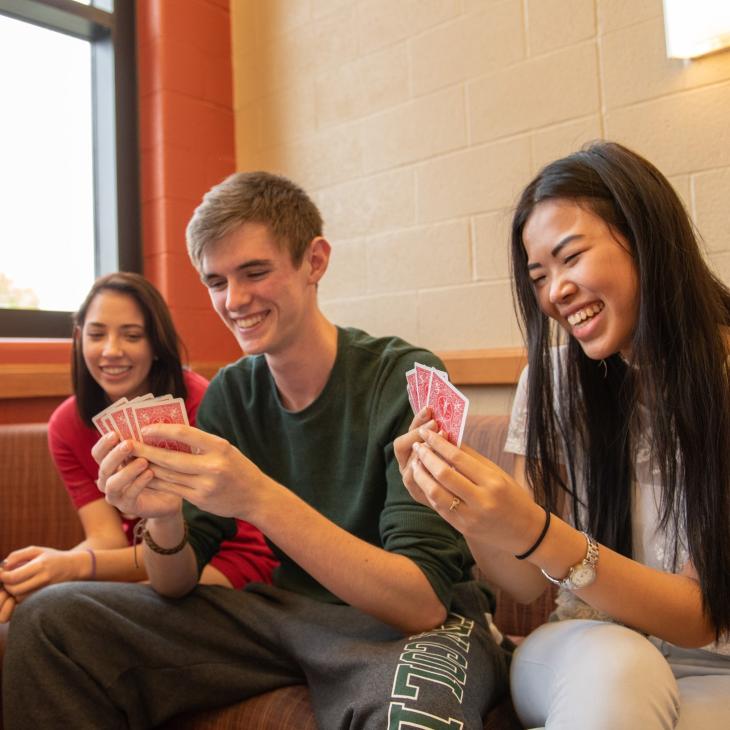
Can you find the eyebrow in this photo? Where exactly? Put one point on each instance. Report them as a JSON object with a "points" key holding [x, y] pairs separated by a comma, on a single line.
{"points": [[130, 325], [242, 267], [561, 245]]}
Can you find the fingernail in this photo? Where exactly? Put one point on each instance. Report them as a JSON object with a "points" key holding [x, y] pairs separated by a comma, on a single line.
{"points": [[416, 446]]}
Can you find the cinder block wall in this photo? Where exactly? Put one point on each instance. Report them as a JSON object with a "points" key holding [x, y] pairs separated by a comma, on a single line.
{"points": [[415, 123]]}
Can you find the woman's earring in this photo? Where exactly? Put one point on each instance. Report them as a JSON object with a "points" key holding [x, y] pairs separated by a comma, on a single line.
{"points": [[605, 368]]}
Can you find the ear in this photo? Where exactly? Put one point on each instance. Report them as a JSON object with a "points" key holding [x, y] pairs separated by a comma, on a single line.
{"points": [[318, 258]]}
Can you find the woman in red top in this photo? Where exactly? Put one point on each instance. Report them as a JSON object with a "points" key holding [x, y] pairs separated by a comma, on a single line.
{"points": [[124, 344]]}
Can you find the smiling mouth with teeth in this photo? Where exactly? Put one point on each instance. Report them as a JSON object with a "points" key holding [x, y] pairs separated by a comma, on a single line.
{"points": [[585, 314], [247, 322]]}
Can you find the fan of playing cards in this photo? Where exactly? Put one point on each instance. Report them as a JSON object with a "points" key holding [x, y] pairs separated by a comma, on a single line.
{"points": [[428, 386], [127, 418]]}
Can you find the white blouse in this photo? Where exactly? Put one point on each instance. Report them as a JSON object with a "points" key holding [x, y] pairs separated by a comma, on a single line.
{"points": [[652, 546]]}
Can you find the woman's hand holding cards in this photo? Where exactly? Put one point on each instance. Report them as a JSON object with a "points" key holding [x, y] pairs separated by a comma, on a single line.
{"points": [[405, 455], [472, 493]]}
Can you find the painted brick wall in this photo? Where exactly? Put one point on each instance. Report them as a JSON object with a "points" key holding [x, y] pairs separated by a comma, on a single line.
{"points": [[415, 123]]}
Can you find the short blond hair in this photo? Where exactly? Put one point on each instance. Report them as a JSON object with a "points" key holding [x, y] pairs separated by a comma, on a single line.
{"points": [[255, 197]]}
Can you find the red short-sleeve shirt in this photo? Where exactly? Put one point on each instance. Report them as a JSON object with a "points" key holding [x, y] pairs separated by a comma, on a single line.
{"points": [[243, 559]]}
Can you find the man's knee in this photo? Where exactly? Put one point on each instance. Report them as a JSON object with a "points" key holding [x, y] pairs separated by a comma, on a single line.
{"points": [[55, 606]]}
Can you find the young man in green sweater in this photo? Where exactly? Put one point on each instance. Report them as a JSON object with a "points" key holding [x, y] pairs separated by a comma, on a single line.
{"points": [[372, 607]]}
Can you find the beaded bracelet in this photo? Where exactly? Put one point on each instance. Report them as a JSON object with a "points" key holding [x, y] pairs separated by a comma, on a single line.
{"points": [[537, 542]]}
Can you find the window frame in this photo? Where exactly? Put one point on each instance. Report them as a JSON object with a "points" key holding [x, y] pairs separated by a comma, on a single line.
{"points": [[115, 142]]}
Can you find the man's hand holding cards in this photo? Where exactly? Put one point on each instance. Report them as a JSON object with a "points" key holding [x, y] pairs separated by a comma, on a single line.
{"points": [[127, 418], [427, 386]]}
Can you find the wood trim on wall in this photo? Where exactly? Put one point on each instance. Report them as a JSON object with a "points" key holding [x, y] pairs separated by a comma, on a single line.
{"points": [[466, 367]]}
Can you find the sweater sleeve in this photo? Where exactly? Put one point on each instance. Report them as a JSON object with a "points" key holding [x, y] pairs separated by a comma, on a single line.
{"points": [[208, 531]]}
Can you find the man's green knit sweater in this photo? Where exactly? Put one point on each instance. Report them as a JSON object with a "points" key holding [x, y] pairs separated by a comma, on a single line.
{"points": [[336, 454]]}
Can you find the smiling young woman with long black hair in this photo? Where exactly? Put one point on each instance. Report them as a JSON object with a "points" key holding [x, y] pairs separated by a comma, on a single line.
{"points": [[621, 421]]}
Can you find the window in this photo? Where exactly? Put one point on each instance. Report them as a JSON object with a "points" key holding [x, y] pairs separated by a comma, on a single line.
{"points": [[69, 206]]}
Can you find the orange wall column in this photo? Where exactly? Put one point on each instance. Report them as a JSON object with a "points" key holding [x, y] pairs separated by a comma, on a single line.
{"points": [[187, 144]]}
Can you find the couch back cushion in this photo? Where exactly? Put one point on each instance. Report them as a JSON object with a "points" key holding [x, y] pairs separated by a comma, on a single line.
{"points": [[487, 434], [34, 506]]}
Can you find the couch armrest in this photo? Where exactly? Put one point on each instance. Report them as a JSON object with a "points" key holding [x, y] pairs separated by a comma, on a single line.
{"points": [[34, 506]]}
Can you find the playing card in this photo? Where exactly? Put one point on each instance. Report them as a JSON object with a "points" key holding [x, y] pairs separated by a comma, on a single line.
{"points": [[423, 376], [98, 420], [449, 407], [411, 389], [129, 412], [119, 423], [170, 410], [120, 418]]}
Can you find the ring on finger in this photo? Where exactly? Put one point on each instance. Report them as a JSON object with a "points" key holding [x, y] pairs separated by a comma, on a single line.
{"points": [[455, 502]]}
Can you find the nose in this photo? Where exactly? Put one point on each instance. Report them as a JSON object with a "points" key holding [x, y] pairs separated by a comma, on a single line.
{"points": [[561, 289], [112, 346], [237, 296]]}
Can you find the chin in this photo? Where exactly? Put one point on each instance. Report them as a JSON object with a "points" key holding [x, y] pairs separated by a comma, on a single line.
{"points": [[249, 348], [596, 352]]}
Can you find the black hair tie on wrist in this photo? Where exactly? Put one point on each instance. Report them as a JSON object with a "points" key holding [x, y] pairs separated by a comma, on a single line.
{"points": [[537, 542]]}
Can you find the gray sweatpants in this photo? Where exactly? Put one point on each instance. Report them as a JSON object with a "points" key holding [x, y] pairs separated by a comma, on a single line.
{"points": [[110, 655]]}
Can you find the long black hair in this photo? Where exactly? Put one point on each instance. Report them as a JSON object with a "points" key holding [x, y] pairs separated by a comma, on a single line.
{"points": [[166, 373], [679, 366]]}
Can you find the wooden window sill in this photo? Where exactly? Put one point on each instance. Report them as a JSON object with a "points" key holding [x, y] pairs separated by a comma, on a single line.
{"points": [[466, 367]]}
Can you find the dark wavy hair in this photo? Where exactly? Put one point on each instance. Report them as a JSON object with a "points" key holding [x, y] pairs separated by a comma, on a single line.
{"points": [[166, 373], [679, 366]]}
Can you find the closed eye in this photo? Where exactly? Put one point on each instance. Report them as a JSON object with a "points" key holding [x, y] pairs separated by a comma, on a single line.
{"points": [[215, 284], [572, 257]]}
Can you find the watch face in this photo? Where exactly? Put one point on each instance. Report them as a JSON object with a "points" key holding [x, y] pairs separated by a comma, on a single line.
{"points": [[582, 576]]}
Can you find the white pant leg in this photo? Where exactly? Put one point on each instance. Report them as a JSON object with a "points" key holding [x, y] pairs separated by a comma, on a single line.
{"points": [[592, 675], [705, 703], [704, 686]]}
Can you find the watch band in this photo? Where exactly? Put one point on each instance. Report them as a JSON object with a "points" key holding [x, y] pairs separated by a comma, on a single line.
{"points": [[582, 574]]}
